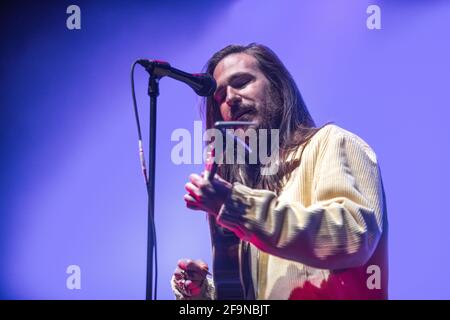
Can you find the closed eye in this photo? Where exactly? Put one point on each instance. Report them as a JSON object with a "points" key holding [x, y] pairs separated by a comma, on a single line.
{"points": [[237, 81], [240, 82]]}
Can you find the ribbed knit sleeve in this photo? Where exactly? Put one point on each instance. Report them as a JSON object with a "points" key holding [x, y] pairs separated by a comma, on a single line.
{"points": [[342, 225]]}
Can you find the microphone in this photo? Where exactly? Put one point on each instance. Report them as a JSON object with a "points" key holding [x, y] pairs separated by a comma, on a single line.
{"points": [[202, 83]]}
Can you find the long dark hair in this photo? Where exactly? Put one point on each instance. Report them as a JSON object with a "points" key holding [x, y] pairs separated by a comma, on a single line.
{"points": [[296, 125]]}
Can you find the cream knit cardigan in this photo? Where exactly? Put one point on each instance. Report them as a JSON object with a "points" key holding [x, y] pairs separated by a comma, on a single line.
{"points": [[325, 235]]}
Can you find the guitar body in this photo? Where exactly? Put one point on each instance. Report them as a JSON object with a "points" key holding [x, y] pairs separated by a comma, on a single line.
{"points": [[226, 270]]}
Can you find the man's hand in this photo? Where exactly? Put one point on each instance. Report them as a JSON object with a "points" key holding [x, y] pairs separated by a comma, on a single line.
{"points": [[189, 278], [205, 195]]}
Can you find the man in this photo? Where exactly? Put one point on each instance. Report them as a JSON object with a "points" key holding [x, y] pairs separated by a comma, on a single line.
{"points": [[317, 228]]}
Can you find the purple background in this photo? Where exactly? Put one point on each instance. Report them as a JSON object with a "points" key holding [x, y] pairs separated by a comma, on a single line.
{"points": [[70, 183]]}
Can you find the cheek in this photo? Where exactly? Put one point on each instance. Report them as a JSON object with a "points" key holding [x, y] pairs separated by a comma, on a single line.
{"points": [[259, 93]]}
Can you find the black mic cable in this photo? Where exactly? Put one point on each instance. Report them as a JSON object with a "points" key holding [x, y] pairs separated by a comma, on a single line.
{"points": [[144, 172]]}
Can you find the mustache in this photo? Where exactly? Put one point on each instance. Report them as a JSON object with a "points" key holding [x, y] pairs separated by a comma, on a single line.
{"points": [[241, 109]]}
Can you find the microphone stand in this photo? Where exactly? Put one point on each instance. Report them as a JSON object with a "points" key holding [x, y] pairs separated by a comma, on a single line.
{"points": [[203, 85], [153, 92]]}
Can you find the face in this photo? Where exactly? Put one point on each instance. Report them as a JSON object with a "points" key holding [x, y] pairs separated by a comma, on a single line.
{"points": [[242, 89]]}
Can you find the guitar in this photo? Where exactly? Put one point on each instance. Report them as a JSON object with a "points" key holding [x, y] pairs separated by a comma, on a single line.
{"points": [[225, 244], [225, 250]]}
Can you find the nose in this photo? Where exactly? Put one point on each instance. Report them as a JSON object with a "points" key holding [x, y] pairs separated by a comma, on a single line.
{"points": [[233, 98]]}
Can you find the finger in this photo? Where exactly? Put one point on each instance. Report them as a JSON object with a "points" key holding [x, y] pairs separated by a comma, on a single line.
{"points": [[203, 265], [178, 270], [194, 207], [196, 180], [183, 262], [192, 190], [195, 276], [196, 291], [191, 203], [179, 273], [220, 180], [194, 288], [204, 173], [196, 266], [180, 285], [192, 265], [190, 199]]}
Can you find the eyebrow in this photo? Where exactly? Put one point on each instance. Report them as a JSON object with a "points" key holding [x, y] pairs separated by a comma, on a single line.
{"points": [[231, 79]]}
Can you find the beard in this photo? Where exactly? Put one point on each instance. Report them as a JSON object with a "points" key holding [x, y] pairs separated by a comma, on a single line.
{"points": [[266, 116]]}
